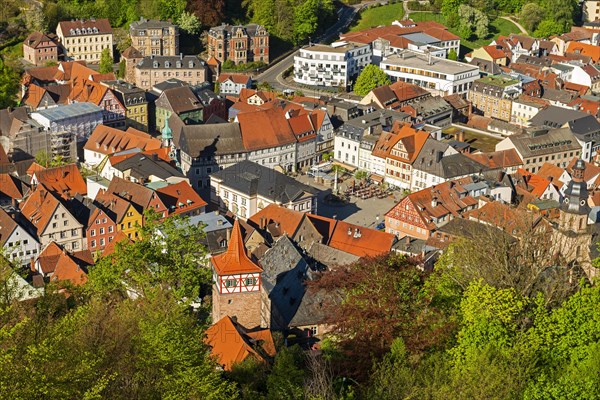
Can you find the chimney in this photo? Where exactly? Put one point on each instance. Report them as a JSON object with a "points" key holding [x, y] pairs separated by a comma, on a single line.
{"points": [[461, 136], [262, 223], [429, 59], [181, 56], [434, 201], [438, 156]]}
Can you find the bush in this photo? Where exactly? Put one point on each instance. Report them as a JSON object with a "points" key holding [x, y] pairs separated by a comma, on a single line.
{"points": [[414, 5]]}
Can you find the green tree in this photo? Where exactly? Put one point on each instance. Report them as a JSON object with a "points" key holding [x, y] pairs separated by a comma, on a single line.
{"points": [[106, 62], [9, 85], [171, 9], [531, 15], [370, 78], [287, 376], [305, 20], [452, 55], [549, 27], [168, 255], [122, 71], [189, 23]]}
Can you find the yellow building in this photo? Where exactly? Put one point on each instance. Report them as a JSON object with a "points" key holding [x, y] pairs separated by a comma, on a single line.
{"points": [[127, 218], [134, 100], [85, 39], [493, 96]]}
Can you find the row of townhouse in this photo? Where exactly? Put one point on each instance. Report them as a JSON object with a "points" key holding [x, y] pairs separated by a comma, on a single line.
{"points": [[85, 40], [285, 140]]}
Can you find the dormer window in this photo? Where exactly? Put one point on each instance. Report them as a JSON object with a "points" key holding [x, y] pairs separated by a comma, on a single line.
{"points": [[95, 30], [191, 64], [167, 64], [178, 64], [155, 65], [72, 31]]}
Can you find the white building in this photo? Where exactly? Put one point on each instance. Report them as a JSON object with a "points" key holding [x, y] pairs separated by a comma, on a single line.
{"points": [[247, 187], [523, 109], [572, 72], [18, 245], [335, 65], [439, 76]]}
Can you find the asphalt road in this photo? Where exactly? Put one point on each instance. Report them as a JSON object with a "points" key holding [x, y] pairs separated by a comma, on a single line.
{"points": [[273, 75]]}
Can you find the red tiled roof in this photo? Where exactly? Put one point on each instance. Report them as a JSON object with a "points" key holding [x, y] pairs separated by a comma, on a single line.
{"points": [[231, 344], [48, 257], [288, 219], [39, 208], [107, 140], [585, 49], [180, 198], [591, 171], [235, 78], [413, 141], [234, 260], [552, 173], [451, 199], [64, 181], [536, 185], [494, 52], [265, 128], [360, 241], [497, 159], [11, 187], [120, 237], [68, 270]]}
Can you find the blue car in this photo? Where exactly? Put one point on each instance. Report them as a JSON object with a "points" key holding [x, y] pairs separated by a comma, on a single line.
{"points": [[380, 226]]}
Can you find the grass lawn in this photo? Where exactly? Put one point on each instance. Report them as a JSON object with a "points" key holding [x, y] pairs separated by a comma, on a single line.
{"points": [[383, 15], [497, 27]]}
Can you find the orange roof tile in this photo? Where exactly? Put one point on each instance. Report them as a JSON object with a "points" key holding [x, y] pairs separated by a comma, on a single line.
{"points": [[536, 185], [48, 257], [265, 128], [360, 241], [590, 50], [413, 141], [497, 159], [450, 196], [68, 270], [494, 52], [234, 260], [288, 219], [180, 198], [107, 140], [235, 78], [552, 173], [591, 171], [39, 208], [110, 247], [231, 344], [65, 181], [10, 187]]}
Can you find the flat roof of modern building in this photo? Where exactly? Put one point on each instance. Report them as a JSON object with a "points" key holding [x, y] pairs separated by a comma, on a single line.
{"points": [[334, 49], [408, 58], [68, 111]]}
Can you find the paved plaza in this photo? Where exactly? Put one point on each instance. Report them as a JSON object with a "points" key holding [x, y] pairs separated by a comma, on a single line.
{"points": [[368, 212]]}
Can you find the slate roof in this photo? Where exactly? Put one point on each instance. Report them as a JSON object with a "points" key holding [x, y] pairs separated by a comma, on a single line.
{"points": [[148, 62], [529, 145], [207, 140], [254, 179], [179, 100], [86, 27], [36, 38], [141, 166], [284, 271]]}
